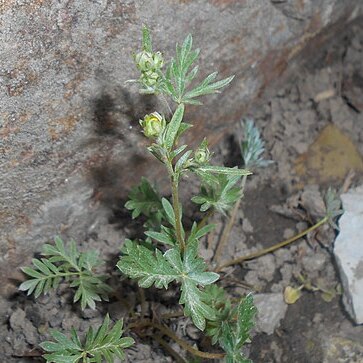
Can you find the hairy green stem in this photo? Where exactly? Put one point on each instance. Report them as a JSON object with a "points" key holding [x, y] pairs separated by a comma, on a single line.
{"points": [[272, 248], [227, 229], [174, 179]]}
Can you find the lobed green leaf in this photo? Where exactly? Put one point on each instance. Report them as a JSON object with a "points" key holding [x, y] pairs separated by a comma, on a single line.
{"points": [[104, 344], [143, 199], [146, 266]]}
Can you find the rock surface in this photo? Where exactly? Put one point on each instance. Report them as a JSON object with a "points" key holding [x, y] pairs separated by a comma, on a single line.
{"points": [[68, 124], [271, 309], [349, 253]]}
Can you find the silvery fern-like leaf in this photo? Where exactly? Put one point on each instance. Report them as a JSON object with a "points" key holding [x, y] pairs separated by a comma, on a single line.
{"points": [[103, 345], [252, 146]]}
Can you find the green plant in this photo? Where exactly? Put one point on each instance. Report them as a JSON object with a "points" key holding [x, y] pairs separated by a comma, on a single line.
{"points": [[70, 265], [170, 252], [102, 345]]}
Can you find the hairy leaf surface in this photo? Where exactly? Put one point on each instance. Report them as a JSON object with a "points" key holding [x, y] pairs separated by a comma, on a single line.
{"points": [[103, 345]]}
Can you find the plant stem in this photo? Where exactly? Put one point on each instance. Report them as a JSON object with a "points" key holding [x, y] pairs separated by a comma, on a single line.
{"points": [[166, 331], [272, 248], [174, 179], [205, 218], [227, 229], [169, 349]]}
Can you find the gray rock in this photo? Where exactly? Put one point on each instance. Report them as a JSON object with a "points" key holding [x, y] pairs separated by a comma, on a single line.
{"points": [[247, 226], [348, 252], [340, 350], [271, 309], [21, 325], [66, 114]]}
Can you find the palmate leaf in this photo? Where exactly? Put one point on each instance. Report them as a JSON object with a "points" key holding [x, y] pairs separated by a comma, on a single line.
{"points": [[219, 191], [154, 268], [144, 199], [146, 266], [103, 345], [192, 273], [61, 263]]}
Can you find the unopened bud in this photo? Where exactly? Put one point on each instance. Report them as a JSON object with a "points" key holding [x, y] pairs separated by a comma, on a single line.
{"points": [[158, 60], [202, 155], [149, 78], [153, 124], [146, 61]]}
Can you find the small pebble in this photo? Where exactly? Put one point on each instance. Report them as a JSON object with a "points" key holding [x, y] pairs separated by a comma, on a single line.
{"points": [[288, 233]]}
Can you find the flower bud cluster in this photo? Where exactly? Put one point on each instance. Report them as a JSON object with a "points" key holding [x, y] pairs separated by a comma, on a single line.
{"points": [[149, 65], [153, 125]]}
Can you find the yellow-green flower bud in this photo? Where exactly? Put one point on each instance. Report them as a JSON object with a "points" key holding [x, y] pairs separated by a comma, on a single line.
{"points": [[158, 60], [202, 155], [149, 78], [153, 125], [146, 61]]}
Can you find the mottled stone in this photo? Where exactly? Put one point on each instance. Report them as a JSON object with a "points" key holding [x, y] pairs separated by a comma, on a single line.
{"points": [[271, 309], [69, 125], [348, 252]]}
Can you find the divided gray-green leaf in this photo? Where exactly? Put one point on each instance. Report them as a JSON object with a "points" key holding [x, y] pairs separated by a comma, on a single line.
{"points": [[192, 272], [103, 345], [144, 199], [61, 263], [219, 191], [333, 207], [252, 146], [235, 332], [147, 266]]}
